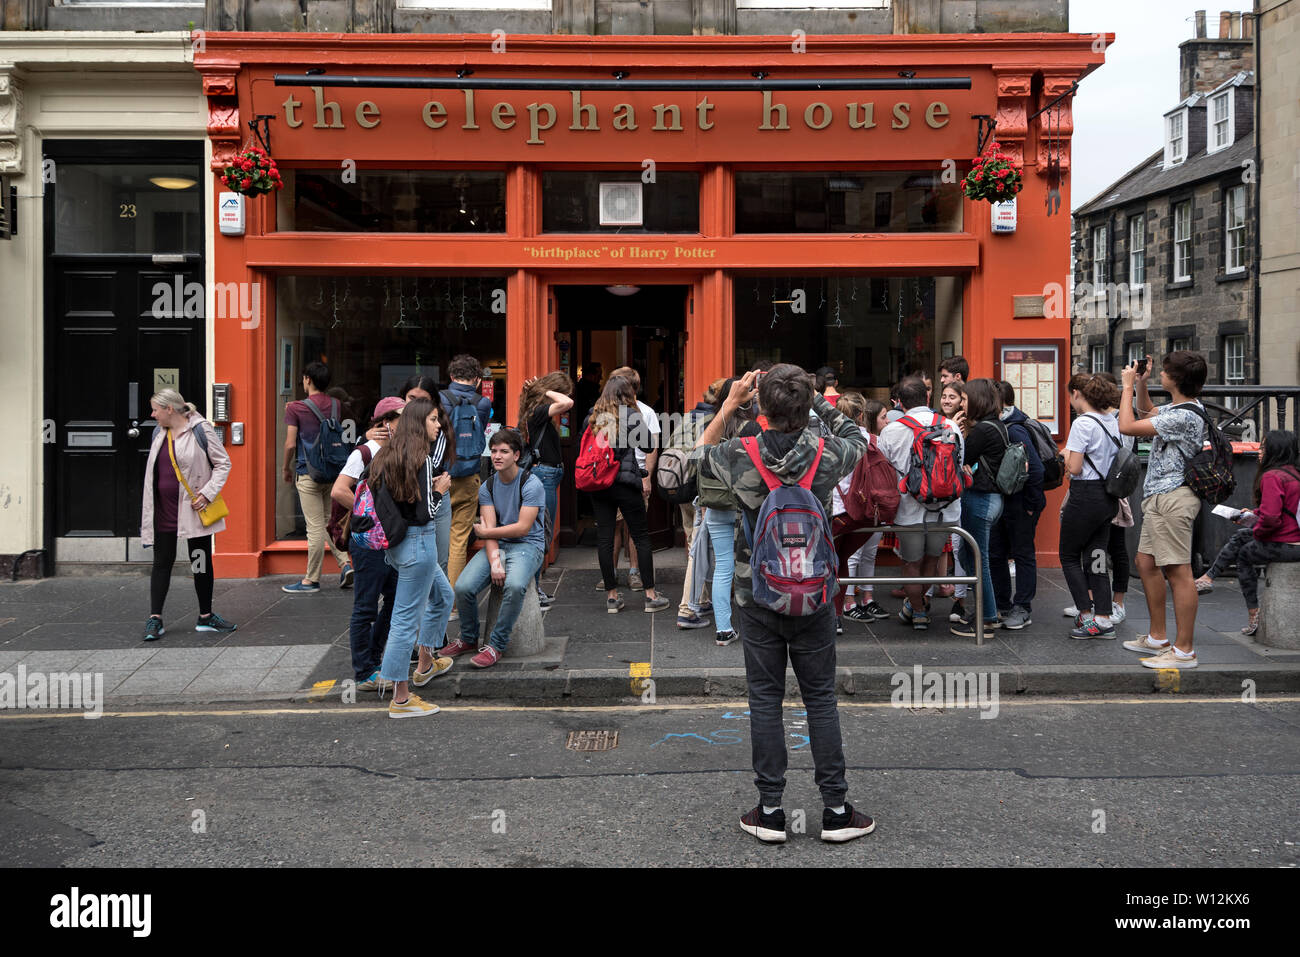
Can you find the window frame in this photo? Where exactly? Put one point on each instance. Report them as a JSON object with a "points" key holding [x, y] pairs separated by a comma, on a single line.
{"points": [[1230, 231], [1179, 206], [1137, 246], [1172, 158], [1229, 121], [1096, 353], [1100, 259], [1129, 355], [1180, 343]]}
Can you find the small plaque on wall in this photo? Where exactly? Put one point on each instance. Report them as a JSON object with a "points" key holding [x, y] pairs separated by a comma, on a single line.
{"points": [[1028, 307]]}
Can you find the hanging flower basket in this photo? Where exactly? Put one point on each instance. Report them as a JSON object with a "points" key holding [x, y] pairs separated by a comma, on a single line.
{"points": [[993, 178], [252, 172]]}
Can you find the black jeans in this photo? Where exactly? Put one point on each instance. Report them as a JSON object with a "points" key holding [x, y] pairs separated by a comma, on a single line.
{"points": [[1013, 537], [808, 643], [1119, 561], [1230, 553], [606, 505], [1255, 553], [164, 557], [1085, 543], [368, 629]]}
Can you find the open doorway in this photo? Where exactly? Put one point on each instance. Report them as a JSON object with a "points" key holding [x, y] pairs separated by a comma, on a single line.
{"points": [[645, 328]]}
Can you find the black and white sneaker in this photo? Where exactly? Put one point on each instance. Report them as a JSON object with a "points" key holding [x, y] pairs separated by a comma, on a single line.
{"points": [[876, 611], [838, 828], [858, 613], [768, 828], [725, 638], [544, 599]]}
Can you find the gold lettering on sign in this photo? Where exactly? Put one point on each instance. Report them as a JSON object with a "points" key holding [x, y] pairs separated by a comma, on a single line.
{"points": [[366, 110], [290, 119], [702, 110], [534, 126], [624, 116], [660, 110], [502, 112], [933, 111], [868, 121], [587, 111], [433, 109], [902, 116], [768, 110], [826, 116], [471, 122], [336, 112]]}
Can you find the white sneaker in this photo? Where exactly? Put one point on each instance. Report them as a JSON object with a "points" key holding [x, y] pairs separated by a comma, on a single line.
{"points": [[1168, 659], [1071, 612], [1144, 645], [1117, 613]]}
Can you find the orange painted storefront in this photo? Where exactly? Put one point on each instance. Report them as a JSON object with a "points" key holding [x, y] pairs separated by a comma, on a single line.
{"points": [[1011, 77]]}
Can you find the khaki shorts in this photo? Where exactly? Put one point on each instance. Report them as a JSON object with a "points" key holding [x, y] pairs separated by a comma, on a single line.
{"points": [[1167, 521], [921, 543]]}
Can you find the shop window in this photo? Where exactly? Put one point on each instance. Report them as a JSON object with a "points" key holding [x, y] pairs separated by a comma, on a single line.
{"points": [[873, 329], [128, 208], [374, 332], [393, 201], [816, 202], [572, 202]]}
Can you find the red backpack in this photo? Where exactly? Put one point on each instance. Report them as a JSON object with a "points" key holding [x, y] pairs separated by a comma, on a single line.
{"points": [[597, 465], [873, 494], [934, 476]]}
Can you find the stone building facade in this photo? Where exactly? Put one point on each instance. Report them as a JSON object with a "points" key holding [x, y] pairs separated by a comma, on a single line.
{"points": [[1165, 257]]}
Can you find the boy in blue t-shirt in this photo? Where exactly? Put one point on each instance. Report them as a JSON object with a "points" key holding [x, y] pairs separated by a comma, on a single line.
{"points": [[512, 506]]}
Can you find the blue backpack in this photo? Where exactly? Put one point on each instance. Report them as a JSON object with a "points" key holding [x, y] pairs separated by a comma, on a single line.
{"points": [[469, 435], [792, 556], [327, 455]]}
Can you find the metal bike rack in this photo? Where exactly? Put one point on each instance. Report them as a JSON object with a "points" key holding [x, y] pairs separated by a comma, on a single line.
{"points": [[975, 580]]}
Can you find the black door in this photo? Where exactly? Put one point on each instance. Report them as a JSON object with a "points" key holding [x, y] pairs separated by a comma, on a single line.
{"points": [[125, 318]]}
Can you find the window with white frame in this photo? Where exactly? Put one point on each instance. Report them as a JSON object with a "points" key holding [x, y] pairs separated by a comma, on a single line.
{"points": [[1234, 208], [1220, 134], [1180, 344], [1099, 277], [1097, 359], [1175, 138], [1137, 351], [1183, 241], [1137, 250], [1234, 366]]}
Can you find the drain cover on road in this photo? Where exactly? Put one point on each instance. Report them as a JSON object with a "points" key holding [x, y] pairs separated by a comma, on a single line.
{"points": [[592, 740]]}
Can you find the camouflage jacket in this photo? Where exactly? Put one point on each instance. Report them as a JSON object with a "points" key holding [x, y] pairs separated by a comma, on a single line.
{"points": [[728, 463]]}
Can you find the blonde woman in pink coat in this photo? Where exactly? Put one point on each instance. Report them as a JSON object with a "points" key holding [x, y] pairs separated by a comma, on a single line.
{"points": [[169, 513]]}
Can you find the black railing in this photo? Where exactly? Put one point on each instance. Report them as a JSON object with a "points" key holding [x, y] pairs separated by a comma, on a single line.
{"points": [[1258, 404]]}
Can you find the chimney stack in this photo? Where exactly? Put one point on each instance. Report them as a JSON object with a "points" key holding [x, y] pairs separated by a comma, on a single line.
{"points": [[1200, 24], [1225, 25], [1248, 26]]}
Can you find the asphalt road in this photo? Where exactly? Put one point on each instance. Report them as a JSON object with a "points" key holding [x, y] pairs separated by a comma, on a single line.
{"points": [[1157, 781]]}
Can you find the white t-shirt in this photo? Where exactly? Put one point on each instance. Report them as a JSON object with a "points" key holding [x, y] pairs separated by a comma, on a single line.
{"points": [[1091, 434], [842, 489], [896, 443], [652, 423], [355, 465]]}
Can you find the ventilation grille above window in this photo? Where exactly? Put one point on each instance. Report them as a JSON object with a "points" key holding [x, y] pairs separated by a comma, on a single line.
{"points": [[620, 204]]}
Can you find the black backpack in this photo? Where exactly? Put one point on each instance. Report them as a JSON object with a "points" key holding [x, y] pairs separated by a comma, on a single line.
{"points": [[1125, 469], [1208, 473], [1045, 446]]}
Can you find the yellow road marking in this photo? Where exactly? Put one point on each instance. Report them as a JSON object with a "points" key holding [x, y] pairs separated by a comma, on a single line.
{"points": [[639, 669], [709, 706]]}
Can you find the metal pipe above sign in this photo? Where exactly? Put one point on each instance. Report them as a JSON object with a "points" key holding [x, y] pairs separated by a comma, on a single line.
{"points": [[591, 84]]}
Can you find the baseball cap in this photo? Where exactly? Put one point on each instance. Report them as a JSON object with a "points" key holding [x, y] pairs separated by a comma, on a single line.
{"points": [[386, 405]]}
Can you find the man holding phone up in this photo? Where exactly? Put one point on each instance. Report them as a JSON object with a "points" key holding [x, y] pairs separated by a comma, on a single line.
{"points": [[1169, 507]]}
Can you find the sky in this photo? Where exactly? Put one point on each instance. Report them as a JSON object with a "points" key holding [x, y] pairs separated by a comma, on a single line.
{"points": [[1119, 108]]}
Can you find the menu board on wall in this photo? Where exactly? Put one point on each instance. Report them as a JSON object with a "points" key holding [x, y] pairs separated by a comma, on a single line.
{"points": [[1034, 372]]}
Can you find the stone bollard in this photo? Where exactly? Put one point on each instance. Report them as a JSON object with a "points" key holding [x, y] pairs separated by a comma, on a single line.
{"points": [[1279, 606], [528, 637]]}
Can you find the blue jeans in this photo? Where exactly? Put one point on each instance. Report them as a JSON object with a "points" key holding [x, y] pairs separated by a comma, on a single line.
{"points": [[423, 602], [521, 562], [368, 630], [550, 476], [721, 524], [979, 510], [442, 522]]}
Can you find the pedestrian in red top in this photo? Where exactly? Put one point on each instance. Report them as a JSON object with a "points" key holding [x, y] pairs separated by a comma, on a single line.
{"points": [[1271, 532]]}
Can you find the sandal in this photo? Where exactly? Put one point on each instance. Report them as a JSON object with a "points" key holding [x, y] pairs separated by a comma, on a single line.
{"points": [[1252, 625], [1204, 584]]}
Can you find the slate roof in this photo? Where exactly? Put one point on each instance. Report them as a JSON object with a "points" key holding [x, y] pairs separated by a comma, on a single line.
{"points": [[1150, 178]]}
